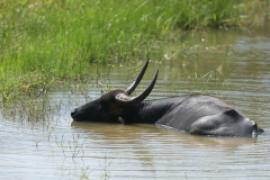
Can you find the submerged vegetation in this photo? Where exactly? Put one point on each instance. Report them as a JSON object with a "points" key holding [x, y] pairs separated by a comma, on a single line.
{"points": [[42, 42]]}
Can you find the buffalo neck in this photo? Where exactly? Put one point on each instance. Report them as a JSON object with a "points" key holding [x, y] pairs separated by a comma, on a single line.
{"points": [[149, 111]]}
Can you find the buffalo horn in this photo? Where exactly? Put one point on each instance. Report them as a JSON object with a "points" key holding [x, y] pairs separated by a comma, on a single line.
{"points": [[135, 83], [125, 99]]}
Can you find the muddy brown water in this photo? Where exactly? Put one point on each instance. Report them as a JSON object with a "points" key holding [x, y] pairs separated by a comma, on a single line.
{"points": [[38, 139]]}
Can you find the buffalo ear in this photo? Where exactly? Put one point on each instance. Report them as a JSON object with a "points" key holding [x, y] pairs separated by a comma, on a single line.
{"points": [[232, 113]]}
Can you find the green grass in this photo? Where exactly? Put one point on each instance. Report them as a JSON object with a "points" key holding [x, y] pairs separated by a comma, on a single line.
{"points": [[45, 40]]}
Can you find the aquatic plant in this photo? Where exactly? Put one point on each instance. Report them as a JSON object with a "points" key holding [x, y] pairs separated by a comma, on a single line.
{"points": [[60, 40]]}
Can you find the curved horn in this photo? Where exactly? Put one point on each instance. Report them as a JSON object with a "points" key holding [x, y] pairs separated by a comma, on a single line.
{"points": [[135, 83], [125, 99]]}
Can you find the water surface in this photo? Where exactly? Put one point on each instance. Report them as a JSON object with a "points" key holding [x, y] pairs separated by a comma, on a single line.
{"points": [[38, 139]]}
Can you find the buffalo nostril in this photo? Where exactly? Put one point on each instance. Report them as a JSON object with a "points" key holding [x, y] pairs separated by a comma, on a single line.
{"points": [[73, 113]]}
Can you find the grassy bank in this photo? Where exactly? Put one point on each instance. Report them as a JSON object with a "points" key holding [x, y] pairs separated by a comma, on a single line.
{"points": [[44, 41]]}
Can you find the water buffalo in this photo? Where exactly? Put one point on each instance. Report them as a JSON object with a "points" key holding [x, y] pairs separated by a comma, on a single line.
{"points": [[195, 114]]}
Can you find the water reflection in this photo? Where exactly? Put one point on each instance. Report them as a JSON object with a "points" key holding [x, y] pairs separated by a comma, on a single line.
{"points": [[40, 141], [139, 132]]}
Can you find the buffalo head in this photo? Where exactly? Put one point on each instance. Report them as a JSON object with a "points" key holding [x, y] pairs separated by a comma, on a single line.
{"points": [[110, 106]]}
